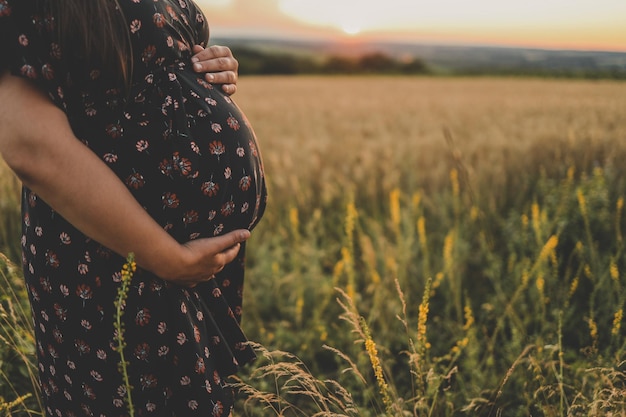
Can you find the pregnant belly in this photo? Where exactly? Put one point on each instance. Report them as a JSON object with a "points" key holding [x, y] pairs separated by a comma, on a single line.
{"points": [[190, 157]]}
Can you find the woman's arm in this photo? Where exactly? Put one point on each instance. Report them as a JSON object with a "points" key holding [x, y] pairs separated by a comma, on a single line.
{"points": [[37, 142]]}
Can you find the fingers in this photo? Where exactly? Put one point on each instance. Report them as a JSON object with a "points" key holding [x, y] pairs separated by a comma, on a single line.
{"points": [[216, 265], [223, 77], [225, 248], [206, 257], [229, 89], [218, 64], [214, 59], [210, 52], [227, 240]]}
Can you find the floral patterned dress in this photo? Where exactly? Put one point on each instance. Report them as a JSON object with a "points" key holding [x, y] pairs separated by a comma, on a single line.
{"points": [[189, 156]]}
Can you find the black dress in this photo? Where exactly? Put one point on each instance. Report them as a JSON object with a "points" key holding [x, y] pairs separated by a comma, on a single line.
{"points": [[189, 156]]}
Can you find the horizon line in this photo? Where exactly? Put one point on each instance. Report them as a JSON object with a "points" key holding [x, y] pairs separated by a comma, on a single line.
{"points": [[364, 41]]}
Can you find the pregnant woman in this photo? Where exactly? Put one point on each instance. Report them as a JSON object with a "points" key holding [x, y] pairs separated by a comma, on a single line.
{"points": [[123, 147]]}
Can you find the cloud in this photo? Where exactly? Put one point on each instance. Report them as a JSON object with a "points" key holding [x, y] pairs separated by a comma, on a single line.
{"points": [[452, 13], [551, 22], [254, 17]]}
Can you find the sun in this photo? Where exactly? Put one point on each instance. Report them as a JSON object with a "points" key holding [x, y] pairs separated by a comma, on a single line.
{"points": [[351, 30]]}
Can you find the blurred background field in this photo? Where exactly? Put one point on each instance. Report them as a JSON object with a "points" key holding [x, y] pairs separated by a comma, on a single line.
{"points": [[432, 247]]}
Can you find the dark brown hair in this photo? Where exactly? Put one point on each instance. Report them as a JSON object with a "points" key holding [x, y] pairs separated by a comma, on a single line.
{"points": [[95, 31]]}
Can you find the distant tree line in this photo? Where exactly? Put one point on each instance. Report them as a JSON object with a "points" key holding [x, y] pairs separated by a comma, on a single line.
{"points": [[613, 73], [264, 63], [256, 62]]}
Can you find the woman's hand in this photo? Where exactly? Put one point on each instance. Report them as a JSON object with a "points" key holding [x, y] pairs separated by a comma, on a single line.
{"points": [[201, 259], [218, 64]]}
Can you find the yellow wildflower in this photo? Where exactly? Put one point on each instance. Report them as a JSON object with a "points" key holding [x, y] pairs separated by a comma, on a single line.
{"points": [[548, 248], [448, 248], [593, 330], [536, 219], [454, 180], [540, 285], [350, 290], [422, 318], [351, 216], [438, 278], [421, 231], [469, 317], [294, 220], [416, 200], [346, 256], [299, 308], [375, 277], [525, 278], [573, 287], [391, 264], [460, 345], [579, 246], [614, 271], [394, 208], [582, 202], [372, 352], [337, 272], [348, 264], [127, 272], [524, 221], [618, 216], [617, 322], [474, 213]]}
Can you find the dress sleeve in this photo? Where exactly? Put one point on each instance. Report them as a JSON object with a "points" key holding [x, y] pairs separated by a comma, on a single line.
{"points": [[6, 53], [29, 47]]}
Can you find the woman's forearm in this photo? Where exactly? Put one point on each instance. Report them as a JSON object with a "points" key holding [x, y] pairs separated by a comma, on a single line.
{"points": [[50, 160]]}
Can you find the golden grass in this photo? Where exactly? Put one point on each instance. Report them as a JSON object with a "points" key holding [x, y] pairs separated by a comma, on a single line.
{"points": [[346, 131], [468, 232]]}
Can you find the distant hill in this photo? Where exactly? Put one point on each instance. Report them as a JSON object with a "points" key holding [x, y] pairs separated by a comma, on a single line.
{"points": [[312, 56]]}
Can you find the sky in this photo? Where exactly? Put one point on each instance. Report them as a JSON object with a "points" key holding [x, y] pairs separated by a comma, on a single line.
{"points": [[550, 24]]}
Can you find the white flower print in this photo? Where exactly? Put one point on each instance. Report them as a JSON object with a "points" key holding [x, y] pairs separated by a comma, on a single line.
{"points": [[96, 375], [162, 327], [64, 290], [135, 25], [193, 404]]}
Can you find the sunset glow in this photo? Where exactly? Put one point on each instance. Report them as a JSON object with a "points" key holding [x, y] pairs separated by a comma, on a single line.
{"points": [[569, 24], [351, 30]]}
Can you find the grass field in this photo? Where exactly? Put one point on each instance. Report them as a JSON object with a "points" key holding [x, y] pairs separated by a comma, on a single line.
{"points": [[432, 247]]}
